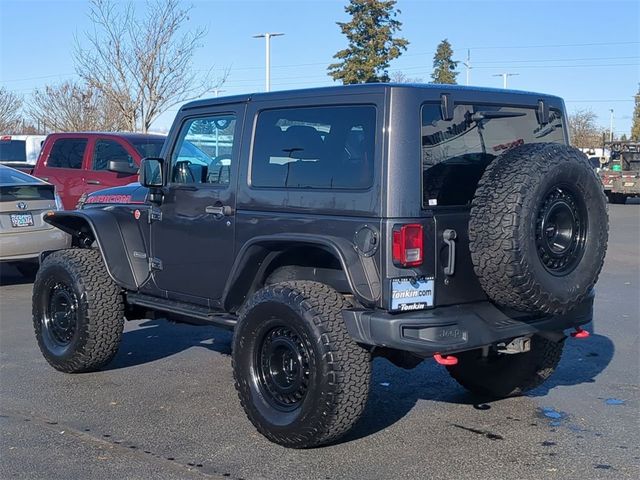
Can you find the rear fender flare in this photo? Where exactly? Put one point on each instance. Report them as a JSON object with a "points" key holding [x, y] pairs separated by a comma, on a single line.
{"points": [[361, 272], [117, 234]]}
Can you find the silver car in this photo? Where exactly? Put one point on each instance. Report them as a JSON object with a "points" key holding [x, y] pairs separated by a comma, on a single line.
{"points": [[24, 201]]}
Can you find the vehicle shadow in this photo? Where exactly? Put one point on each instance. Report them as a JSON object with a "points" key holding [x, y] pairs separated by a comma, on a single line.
{"points": [[394, 391], [9, 275], [157, 339]]}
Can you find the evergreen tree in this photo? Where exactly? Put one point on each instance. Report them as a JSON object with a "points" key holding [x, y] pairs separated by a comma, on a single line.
{"points": [[444, 68], [371, 42], [635, 126]]}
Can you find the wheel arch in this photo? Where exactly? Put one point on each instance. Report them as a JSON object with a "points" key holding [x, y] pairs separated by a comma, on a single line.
{"points": [[261, 256], [118, 238]]}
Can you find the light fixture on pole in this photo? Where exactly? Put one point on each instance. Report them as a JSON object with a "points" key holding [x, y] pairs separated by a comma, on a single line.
{"points": [[267, 37], [504, 77]]}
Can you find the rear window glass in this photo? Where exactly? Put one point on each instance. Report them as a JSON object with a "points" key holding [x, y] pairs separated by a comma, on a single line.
{"points": [[67, 153], [13, 151], [315, 147], [9, 176], [455, 153], [148, 147], [11, 193]]}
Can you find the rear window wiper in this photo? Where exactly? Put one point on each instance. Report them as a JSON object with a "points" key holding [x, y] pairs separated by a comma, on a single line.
{"points": [[489, 114]]}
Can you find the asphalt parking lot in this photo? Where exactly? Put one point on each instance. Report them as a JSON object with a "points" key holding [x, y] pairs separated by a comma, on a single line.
{"points": [[166, 406]]}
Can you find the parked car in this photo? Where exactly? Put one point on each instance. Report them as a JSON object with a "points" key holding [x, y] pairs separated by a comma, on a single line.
{"points": [[24, 201], [20, 151], [79, 163], [331, 225]]}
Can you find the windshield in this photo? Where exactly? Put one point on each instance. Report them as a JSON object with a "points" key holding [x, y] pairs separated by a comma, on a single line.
{"points": [[13, 151], [456, 152], [148, 147]]}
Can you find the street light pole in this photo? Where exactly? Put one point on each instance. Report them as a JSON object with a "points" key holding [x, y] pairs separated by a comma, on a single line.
{"points": [[468, 65], [267, 37], [504, 77], [611, 125]]}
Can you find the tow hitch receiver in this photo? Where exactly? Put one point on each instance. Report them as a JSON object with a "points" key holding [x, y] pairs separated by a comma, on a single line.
{"points": [[517, 345], [580, 333], [446, 360]]}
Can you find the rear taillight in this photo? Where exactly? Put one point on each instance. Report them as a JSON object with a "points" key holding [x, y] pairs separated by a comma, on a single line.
{"points": [[408, 245]]}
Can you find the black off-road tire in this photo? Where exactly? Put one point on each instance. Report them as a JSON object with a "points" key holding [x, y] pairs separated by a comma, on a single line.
{"points": [[334, 394], [507, 375], [84, 336], [507, 232]]}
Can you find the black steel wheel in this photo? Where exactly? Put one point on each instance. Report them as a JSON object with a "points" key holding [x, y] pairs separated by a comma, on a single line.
{"points": [[78, 311], [281, 368], [60, 319], [301, 379], [561, 230]]}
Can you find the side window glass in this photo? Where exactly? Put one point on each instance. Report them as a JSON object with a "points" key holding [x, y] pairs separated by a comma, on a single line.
{"points": [[67, 153], [107, 150], [204, 151], [315, 147]]}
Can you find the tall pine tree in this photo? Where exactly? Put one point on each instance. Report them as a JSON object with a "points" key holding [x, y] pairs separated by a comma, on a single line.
{"points": [[635, 126], [371, 42], [444, 68]]}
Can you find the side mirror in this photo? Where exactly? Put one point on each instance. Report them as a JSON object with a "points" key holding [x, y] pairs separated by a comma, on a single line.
{"points": [[122, 166], [151, 172]]}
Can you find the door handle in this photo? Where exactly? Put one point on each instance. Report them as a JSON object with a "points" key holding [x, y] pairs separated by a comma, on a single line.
{"points": [[449, 236], [219, 210], [94, 182]]}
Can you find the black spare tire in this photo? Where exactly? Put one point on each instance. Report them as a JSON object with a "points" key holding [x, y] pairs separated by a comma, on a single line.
{"points": [[538, 228]]}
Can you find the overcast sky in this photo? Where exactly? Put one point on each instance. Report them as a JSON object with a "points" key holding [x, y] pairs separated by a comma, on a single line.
{"points": [[586, 52]]}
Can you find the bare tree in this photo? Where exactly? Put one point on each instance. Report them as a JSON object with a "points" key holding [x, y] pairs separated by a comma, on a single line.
{"points": [[142, 65], [10, 105], [584, 131], [73, 107], [400, 77]]}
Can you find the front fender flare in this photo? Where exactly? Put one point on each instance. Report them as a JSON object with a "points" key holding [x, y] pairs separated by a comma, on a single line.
{"points": [[117, 234]]}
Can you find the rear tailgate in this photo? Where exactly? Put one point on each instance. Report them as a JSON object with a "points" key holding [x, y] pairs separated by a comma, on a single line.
{"points": [[22, 207], [432, 284]]}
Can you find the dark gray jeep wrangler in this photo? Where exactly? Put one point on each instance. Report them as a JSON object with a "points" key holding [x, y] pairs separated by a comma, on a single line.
{"points": [[331, 225]]}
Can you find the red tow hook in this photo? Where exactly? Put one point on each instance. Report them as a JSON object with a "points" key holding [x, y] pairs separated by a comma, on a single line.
{"points": [[447, 360], [580, 333]]}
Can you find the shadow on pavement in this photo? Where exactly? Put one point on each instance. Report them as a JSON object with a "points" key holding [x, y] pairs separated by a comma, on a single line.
{"points": [[394, 391], [157, 339], [9, 275]]}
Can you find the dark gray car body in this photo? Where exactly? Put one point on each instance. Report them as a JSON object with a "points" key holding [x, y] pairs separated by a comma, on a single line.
{"points": [[174, 257]]}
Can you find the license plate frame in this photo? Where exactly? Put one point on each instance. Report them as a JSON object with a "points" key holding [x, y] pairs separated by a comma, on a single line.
{"points": [[21, 220], [411, 293]]}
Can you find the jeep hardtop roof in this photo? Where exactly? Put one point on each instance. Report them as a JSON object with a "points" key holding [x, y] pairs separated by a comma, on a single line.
{"points": [[364, 89]]}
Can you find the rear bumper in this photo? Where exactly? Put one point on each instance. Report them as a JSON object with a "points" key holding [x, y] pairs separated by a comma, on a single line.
{"points": [[454, 329]]}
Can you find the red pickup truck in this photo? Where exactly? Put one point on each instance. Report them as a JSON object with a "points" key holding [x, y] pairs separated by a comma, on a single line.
{"points": [[79, 163]]}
